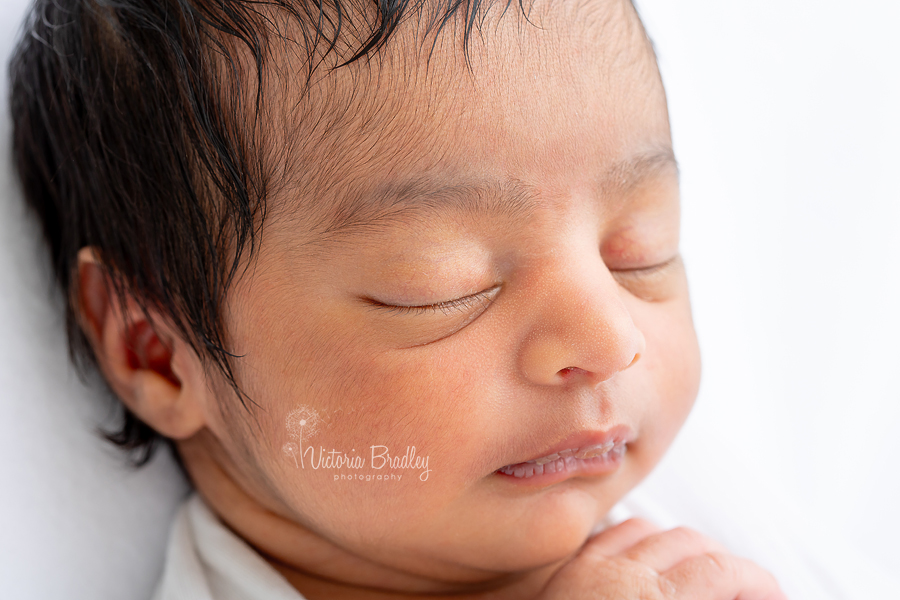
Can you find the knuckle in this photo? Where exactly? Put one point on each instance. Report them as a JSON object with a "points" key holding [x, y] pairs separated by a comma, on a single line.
{"points": [[698, 542], [646, 584], [707, 567], [667, 589], [639, 524], [721, 565], [687, 534]]}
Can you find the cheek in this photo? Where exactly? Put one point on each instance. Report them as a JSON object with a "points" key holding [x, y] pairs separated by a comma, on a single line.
{"points": [[423, 402], [433, 400], [673, 369]]}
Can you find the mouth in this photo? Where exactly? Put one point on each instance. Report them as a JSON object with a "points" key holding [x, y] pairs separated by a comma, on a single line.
{"points": [[585, 453]]}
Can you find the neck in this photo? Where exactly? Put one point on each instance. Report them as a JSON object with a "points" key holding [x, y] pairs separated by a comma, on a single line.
{"points": [[316, 566]]}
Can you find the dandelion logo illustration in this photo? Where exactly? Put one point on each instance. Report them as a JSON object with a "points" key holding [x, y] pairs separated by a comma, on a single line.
{"points": [[291, 450], [301, 422]]}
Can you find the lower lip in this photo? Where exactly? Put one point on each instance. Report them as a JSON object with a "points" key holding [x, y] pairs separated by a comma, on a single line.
{"points": [[564, 468]]}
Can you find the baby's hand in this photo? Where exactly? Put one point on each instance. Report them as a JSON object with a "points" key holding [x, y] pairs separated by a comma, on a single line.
{"points": [[638, 561]]}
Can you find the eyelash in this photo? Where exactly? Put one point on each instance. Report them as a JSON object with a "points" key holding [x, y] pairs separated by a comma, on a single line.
{"points": [[651, 270], [446, 307], [466, 302]]}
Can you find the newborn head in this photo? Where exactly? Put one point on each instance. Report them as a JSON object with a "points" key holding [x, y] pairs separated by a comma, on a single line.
{"points": [[461, 332]]}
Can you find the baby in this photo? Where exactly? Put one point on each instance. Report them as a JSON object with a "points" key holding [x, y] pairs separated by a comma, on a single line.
{"points": [[400, 282]]}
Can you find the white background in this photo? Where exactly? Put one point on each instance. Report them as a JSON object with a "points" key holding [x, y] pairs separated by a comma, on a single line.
{"points": [[785, 123], [784, 117]]}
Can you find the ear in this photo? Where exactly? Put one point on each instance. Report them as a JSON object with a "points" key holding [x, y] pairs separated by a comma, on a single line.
{"points": [[155, 373]]}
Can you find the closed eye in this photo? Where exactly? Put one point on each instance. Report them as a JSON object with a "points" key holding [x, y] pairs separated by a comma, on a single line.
{"points": [[651, 270], [654, 283], [448, 307]]}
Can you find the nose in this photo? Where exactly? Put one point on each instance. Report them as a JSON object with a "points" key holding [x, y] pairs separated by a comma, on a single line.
{"points": [[582, 328]]}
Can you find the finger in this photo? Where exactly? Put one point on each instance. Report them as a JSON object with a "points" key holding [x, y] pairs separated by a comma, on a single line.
{"points": [[664, 550], [615, 540], [718, 576]]}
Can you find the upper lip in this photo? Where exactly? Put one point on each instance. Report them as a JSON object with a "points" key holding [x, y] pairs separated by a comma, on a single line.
{"points": [[584, 442]]}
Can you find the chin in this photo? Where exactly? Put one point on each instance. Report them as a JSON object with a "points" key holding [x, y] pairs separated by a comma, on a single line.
{"points": [[556, 529]]}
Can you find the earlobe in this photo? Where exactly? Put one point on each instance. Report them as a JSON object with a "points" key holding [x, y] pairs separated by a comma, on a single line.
{"points": [[149, 369], [165, 399]]}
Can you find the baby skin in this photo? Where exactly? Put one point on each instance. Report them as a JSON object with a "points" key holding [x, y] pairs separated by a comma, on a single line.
{"points": [[467, 331]]}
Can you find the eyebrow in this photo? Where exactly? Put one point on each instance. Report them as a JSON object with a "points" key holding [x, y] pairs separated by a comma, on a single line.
{"points": [[405, 202]]}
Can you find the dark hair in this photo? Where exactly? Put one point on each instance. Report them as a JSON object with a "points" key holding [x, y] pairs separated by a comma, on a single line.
{"points": [[136, 133]]}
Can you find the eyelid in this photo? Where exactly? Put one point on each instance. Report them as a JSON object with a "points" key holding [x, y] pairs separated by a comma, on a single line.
{"points": [[644, 271], [446, 307]]}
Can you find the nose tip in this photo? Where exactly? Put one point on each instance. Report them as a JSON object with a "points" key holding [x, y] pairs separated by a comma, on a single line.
{"points": [[590, 345], [568, 373]]}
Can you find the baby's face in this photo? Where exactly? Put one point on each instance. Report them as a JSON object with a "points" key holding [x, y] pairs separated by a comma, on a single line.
{"points": [[532, 209]]}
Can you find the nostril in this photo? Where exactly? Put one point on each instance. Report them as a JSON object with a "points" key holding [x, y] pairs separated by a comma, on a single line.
{"points": [[637, 356]]}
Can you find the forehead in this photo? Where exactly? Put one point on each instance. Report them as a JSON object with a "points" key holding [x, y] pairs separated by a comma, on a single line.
{"points": [[569, 95]]}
